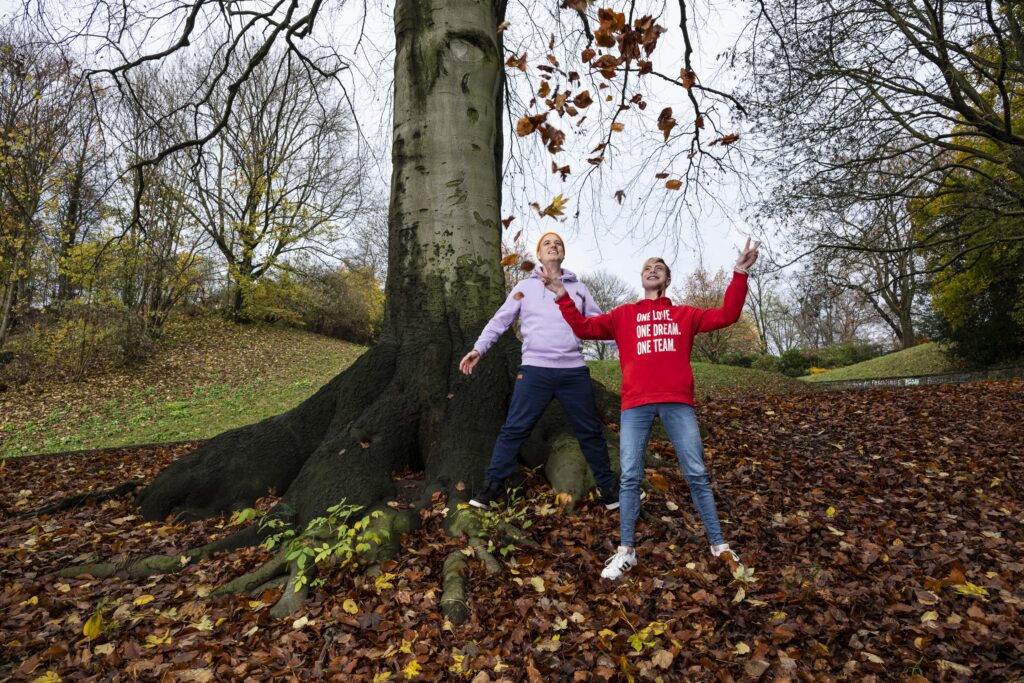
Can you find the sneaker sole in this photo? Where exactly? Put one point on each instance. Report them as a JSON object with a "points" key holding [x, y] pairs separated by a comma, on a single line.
{"points": [[615, 505], [478, 504]]}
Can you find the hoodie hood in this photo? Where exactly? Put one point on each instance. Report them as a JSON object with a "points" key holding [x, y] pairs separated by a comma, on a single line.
{"points": [[567, 275]]}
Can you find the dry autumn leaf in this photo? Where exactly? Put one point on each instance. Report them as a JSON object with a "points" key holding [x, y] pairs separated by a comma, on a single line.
{"points": [[509, 260], [674, 184]]}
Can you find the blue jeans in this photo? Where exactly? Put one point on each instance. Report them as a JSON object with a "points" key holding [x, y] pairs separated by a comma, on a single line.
{"points": [[535, 387], [681, 424]]}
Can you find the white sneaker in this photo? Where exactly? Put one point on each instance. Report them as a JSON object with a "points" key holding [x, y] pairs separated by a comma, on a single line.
{"points": [[619, 563], [717, 550]]}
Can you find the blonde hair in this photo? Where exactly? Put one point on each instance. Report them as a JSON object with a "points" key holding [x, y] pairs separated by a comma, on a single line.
{"points": [[668, 271]]}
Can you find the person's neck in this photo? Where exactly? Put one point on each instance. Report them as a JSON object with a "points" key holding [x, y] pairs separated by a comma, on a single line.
{"points": [[552, 268], [653, 294]]}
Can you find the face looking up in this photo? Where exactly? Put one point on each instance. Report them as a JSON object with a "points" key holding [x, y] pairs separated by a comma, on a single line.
{"points": [[655, 276], [551, 249]]}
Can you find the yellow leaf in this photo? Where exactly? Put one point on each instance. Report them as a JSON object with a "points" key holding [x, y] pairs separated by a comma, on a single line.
{"points": [[104, 649], [300, 623], [406, 647], [671, 506], [873, 658], [153, 640], [741, 649], [93, 626], [382, 677], [537, 583], [930, 615], [48, 677], [383, 581], [968, 588], [412, 669], [142, 600], [34, 600], [350, 606], [831, 512], [835, 531], [556, 208], [605, 633], [740, 594]]}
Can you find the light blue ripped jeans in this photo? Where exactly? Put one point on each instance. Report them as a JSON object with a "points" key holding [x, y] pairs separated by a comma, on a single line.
{"points": [[681, 424]]}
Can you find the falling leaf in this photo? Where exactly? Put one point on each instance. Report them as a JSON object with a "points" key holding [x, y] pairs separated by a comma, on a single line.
{"points": [[618, 127], [619, 196], [665, 122], [517, 62], [509, 260], [674, 184], [583, 100], [502, 26], [556, 207], [507, 221], [527, 265], [545, 89]]}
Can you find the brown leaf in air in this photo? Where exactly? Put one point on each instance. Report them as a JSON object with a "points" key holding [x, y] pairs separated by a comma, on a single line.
{"points": [[509, 260], [665, 122], [619, 196], [674, 184], [588, 54], [583, 100], [618, 127], [507, 221], [517, 62], [689, 77], [544, 90]]}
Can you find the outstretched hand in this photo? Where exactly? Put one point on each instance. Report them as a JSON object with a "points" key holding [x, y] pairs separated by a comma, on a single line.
{"points": [[469, 362], [552, 283], [748, 256]]}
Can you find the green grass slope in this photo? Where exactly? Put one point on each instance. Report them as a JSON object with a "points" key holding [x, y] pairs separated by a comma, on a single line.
{"points": [[924, 359], [208, 376], [711, 380]]}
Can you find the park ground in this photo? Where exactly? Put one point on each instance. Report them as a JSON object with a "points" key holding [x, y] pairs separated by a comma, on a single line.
{"points": [[882, 534]]}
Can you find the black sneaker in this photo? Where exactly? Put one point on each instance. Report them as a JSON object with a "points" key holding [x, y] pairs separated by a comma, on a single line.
{"points": [[492, 491], [610, 499]]}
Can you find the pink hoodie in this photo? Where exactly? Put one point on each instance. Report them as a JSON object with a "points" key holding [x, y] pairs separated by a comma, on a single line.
{"points": [[548, 341]]}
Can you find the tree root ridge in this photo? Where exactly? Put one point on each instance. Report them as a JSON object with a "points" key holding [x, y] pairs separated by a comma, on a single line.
{"points": [[82, 498]]}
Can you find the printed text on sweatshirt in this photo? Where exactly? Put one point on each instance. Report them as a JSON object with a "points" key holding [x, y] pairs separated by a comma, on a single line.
{"points": [[654, 339]]}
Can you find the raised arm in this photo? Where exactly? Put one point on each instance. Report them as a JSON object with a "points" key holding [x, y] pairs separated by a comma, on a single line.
{"points": [[594, 327], [710, 319]]}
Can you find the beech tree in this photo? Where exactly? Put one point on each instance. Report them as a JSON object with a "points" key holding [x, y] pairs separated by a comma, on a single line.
{"points": [[403, 406]]}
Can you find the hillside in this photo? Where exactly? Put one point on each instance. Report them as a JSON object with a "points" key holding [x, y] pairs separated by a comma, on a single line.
{"points": [[209, 375], [924, 359]]}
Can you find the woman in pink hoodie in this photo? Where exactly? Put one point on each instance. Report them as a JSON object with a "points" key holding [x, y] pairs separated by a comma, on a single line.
{"points": [[552, 367]]}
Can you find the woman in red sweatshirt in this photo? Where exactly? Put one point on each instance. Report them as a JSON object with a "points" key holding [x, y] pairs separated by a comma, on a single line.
{"points": [[654, 339]]}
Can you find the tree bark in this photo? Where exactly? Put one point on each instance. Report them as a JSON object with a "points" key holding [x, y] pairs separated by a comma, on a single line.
{"points": [[403, 404]]}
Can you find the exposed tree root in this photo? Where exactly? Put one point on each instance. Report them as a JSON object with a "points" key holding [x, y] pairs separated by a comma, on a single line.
{"points": [[82, 498], [453, 594]]}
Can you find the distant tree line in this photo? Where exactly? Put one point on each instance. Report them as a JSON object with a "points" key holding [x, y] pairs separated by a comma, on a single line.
{"points": [[271, 221]]}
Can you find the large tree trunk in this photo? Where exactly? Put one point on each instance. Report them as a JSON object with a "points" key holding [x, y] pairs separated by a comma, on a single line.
{"points": [[403, 403]]}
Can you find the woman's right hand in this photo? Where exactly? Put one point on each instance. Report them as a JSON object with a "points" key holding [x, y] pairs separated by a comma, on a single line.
{"points": [[469, 362], [552, 283]]}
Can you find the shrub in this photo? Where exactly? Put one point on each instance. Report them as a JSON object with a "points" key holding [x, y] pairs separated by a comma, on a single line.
{"points": [[738, 358], [794, 363], [847, 354], [767, 362]]}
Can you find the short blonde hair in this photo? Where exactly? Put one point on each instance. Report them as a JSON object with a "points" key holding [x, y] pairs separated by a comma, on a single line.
{"points": [[656, 259]]}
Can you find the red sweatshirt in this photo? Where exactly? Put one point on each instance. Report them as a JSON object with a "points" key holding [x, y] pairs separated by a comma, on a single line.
{"points": [[654, 339]]}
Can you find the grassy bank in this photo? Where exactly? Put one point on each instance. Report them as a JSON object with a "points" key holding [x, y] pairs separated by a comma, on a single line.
{"points": [[207, 376], [925, 359]]}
